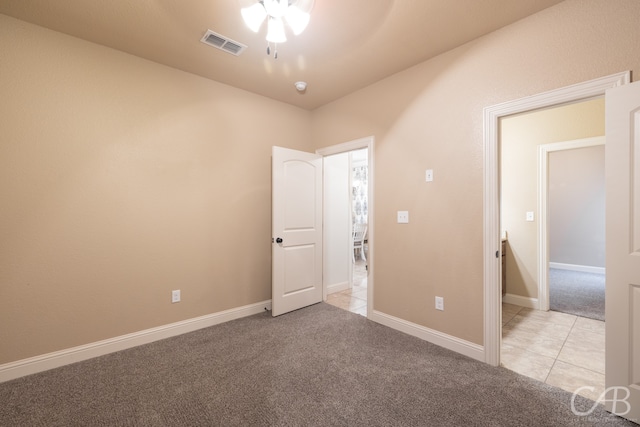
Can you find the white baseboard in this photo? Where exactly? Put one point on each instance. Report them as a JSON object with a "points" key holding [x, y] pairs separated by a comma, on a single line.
{"points": [[337, 287], [44, 362], [474, 351], [574, 267], [521, 301]]}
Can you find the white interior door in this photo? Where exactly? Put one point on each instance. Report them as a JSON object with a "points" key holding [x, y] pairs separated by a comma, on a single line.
{"points": [[297, 229], [622, 160]]}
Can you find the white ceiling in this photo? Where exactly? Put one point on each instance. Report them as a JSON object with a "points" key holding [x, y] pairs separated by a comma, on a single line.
{"points": [[348, 44]]}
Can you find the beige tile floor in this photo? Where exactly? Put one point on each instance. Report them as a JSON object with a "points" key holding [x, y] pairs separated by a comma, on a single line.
{"points": [[354, 299], [559, 349]]}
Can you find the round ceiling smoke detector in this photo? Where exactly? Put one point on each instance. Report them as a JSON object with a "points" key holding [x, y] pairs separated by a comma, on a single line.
{"points": [[301, 86]]}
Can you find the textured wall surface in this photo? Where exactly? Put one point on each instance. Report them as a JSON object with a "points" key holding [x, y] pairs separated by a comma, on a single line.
{"points": [[431, 117], [577, 207], [122, 180]]}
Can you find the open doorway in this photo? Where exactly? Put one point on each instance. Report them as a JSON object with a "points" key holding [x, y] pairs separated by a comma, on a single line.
{"points": [[574, 190], [359, 172], [621, 99], [349, 171], [348, 225], [491, 197], [537, 191]]}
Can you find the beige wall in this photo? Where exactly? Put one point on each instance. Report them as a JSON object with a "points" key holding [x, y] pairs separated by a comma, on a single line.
{"points": [[577, 207], [520, 137], [121, 180], [431, 116]]}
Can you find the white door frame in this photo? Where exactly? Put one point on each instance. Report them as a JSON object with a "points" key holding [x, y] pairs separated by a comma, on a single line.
{"points": [[491, 237], [543, 209], [366, 142]]}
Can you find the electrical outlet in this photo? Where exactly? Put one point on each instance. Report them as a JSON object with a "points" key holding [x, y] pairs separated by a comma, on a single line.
{"points": [[175, 296], [403, 217], [439, 303], [429, 175]]}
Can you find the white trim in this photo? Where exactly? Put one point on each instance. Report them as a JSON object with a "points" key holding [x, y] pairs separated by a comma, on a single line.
{"points": [[369, 143], [44, 362], [491, 237], [521, 301], [467, 348], [543, 208], [344, 147], [338, 287], [575, 267]]}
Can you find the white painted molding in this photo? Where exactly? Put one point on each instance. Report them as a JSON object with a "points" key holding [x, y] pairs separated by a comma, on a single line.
{"points": [[356, 144], [337, 287], [491, 236], [543, 209], [44, 362], [575, 267], [475, 351], [521, 301]]}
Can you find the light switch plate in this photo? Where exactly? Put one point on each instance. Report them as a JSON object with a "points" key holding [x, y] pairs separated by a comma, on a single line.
{"points": [[529, 216], [403, 217]]}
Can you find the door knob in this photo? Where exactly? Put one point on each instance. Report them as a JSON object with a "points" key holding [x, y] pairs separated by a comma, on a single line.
{"points": [[278, 240]]}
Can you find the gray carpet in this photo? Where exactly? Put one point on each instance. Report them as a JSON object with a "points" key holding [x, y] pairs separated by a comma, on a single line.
{"points": [[577, 293], [319, 366]]}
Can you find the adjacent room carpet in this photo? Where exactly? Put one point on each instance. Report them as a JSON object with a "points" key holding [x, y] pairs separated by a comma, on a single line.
{"points": [[578, 293], [319, 366]]}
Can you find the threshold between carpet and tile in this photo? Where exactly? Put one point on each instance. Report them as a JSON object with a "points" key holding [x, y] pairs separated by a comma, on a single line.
{"points": [[563, 350]]}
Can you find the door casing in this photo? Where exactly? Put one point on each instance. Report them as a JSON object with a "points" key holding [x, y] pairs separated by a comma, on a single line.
{"points": [[491, 236]]}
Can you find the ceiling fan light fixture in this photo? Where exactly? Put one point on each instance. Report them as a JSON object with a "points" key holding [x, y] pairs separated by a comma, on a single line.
{"points": [[294, 12], [275, 31], [254, 16], [297, 19], [276, 8]]}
